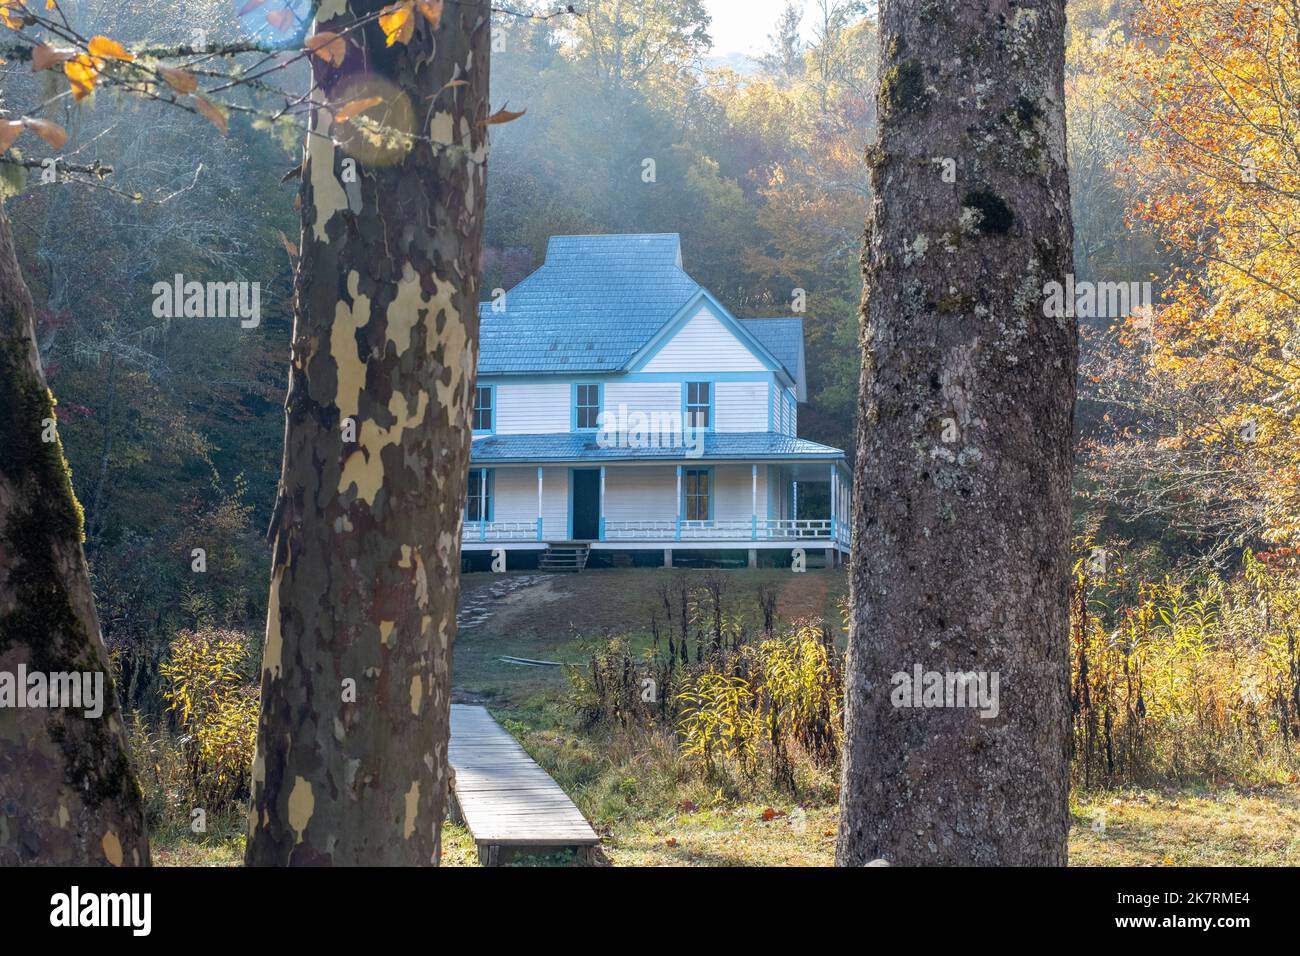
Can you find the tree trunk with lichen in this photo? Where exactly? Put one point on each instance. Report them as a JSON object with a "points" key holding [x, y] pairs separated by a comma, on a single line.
{"points": [[67, 794], [351, 764], [961, 511]]}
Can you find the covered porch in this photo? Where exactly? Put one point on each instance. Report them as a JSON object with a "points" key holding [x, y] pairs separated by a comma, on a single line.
{"points": [[692, 504]]}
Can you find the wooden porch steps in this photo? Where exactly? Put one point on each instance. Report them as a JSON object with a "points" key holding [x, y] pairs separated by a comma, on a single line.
{"points": [[508, 803], [571, 557]]}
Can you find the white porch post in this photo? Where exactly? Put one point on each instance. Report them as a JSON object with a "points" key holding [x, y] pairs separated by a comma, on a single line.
{"points": [[482, 503], [794, 501], [539, 502], [834, 482], [753, 510], [679, 502]]}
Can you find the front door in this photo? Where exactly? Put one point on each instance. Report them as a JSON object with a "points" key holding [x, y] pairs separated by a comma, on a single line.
{"points": [[586, 504]]}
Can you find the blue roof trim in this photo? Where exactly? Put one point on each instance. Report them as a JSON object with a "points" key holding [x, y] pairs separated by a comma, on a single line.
{"points": [[566, 447]]}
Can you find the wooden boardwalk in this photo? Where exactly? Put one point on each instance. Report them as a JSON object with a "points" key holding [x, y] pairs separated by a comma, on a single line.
{"points": [[504, 798]]}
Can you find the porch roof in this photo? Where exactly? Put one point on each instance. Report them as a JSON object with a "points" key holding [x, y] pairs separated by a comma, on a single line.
{"points": [[718, 446]]}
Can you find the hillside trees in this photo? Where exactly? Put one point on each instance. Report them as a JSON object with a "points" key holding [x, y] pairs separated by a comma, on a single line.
{"points": [[962, 496], [1206, 388]]}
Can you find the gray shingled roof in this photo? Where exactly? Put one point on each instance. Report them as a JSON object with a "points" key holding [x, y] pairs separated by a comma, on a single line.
{"points": [[562, 446], [782, 337], [594, 302]]}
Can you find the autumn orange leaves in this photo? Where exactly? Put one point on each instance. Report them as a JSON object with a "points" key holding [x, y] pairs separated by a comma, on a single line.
{"points": [[82, 70], [398, 20]]}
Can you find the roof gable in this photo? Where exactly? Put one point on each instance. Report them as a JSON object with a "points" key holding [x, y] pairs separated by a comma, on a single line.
{"points": [[687, 316]]}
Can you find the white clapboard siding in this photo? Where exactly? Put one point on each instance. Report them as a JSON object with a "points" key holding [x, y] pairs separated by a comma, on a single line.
{"points": [[792, 421], [704, 344], [532, 408], [778, 504], [649, 398], [741, 406], [733, 492], [515, 491], [641, 493], [555, 502]]}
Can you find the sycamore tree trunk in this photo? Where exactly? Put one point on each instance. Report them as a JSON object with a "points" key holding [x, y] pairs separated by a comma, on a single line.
{"points": [[351, 764], [67, 794], [961, 516]]}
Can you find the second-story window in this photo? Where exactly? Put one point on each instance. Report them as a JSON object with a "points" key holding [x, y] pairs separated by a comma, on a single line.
{"points": [[483, 408], [587, 405], [699, 404]]}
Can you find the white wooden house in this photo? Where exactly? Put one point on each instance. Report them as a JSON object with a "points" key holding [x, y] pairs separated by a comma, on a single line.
{"points": [[620, 407]]}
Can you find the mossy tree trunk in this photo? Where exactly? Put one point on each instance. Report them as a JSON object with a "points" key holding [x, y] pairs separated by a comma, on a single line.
{"points": [[351, 763], [67, 794], [961, 512]]}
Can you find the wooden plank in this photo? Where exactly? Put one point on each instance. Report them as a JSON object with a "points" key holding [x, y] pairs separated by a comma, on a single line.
{"points": [[504, 797]]}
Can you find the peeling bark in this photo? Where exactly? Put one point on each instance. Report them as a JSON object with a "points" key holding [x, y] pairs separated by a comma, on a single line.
{"points": [[67, 794], [961, 514], [366, 562]]}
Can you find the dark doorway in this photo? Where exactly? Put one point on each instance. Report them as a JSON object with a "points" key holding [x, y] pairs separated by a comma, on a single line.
{"points": [[586, 504]]}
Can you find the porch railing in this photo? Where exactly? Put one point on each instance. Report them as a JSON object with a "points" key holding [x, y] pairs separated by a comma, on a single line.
{"points": [[737, 529], [740, 529], [501, 531]]}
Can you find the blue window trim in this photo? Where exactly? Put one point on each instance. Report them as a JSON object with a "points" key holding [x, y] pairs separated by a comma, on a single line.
{"points": [[492, 390], [490, 474], [713, 488], [573, 405], [713, 401]]}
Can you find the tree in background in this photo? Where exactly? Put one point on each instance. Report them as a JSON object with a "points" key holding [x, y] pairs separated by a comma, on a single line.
{"points": [[962, 497], [351, 764], [1206, 387]]}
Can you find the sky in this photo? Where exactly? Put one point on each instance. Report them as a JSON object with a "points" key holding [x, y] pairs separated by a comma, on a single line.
{"points": [[742, 26]]}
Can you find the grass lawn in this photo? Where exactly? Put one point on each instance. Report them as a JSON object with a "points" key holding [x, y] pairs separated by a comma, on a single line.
{"points": [[650, 811]]}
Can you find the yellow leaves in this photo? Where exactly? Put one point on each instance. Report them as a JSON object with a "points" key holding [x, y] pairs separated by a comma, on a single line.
{"points": [[182, 81], [397, 20], [11, 15], [104, 48], [54, 134], [212, 113], [356, 107], [44, 57], [82, 72], [330, 47]]}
